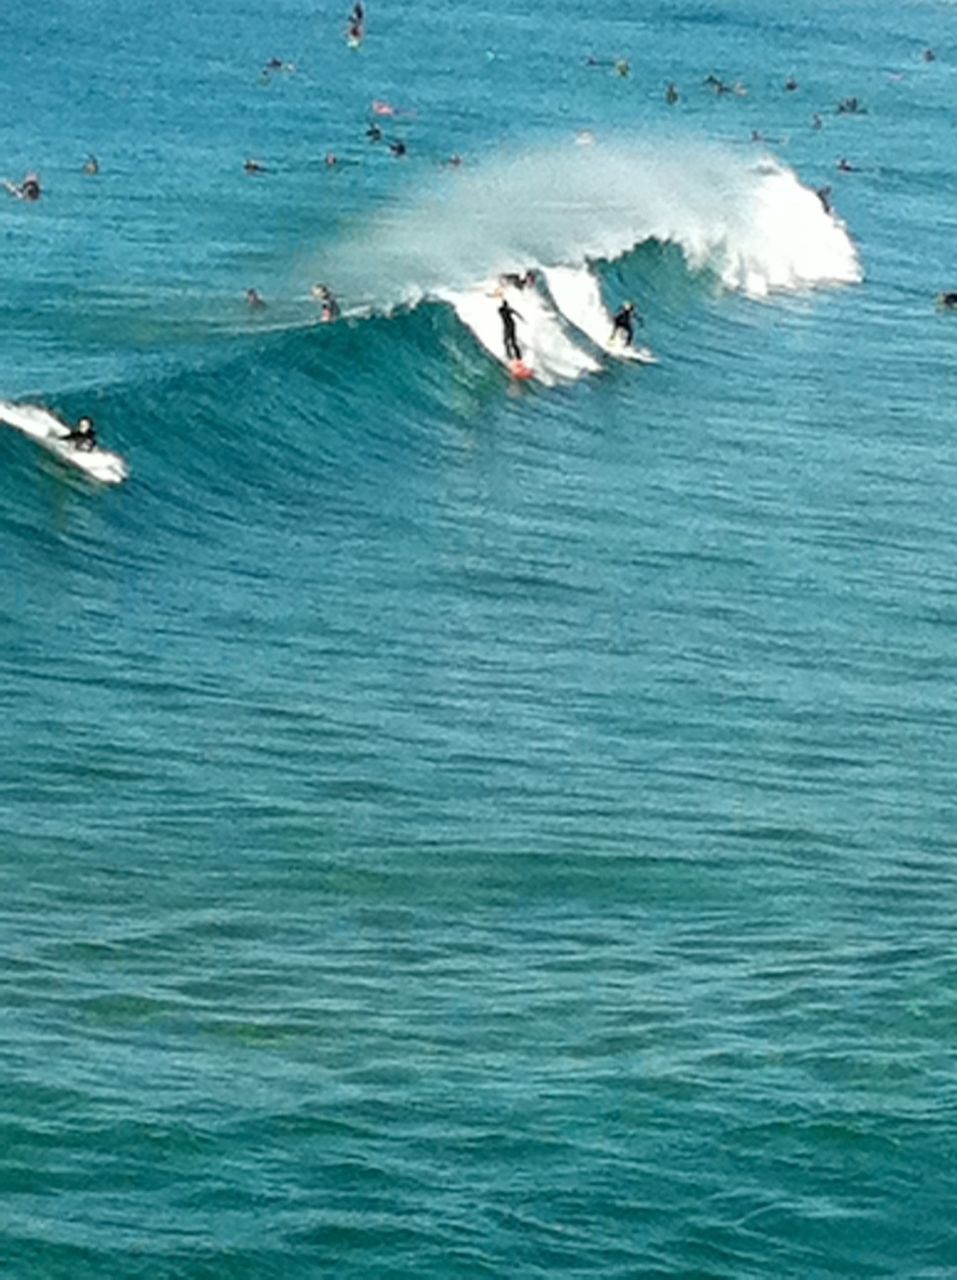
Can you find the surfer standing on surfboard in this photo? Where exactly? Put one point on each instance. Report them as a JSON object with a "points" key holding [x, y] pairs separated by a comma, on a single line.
{"points": [[508, 314], [623, 323]]}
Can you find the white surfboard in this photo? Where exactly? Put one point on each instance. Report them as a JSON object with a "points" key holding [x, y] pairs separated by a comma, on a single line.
{"points": [[577, 295], [50, 433]]}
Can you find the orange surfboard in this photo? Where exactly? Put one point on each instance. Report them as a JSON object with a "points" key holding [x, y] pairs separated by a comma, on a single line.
{"points": [[519, 369]]}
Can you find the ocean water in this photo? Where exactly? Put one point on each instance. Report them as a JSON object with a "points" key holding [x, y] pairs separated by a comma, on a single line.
{"points": [[455, 828]]}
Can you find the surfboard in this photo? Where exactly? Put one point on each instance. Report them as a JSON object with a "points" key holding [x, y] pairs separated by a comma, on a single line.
{"points": [[618, 345], [50, 433]]}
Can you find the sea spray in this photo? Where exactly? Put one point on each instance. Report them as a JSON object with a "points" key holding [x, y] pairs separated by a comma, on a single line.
{"points": [[751, 222]]}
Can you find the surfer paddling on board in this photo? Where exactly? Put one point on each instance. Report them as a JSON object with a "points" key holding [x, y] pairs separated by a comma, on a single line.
{"points": [[28, 189], [623, 324], [355, 30], [517, 281], [83, 435]]}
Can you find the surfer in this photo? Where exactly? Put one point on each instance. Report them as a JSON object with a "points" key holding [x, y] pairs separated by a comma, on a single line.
{"points": [[28, 189], [717, 84], [356, 27], [374, 132], [671, 94], [948, 300], [330, 308], [398, 148], [91, 166], [508, 314], [516, 281], [83, 435], [255, 299], [824, 195], [623, 322]]}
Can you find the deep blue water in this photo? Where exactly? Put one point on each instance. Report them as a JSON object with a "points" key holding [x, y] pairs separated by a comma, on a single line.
{"points": [[448, 828]]}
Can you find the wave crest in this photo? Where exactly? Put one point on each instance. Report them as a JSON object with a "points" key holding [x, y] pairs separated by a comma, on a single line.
{"points": [[754, 224]]}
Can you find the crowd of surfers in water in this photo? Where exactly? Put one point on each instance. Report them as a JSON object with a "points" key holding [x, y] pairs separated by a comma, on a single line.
{"points": [[29, 189]]}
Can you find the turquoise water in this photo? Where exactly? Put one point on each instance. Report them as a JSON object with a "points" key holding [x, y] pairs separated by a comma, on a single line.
{"points": [[454, 829]]}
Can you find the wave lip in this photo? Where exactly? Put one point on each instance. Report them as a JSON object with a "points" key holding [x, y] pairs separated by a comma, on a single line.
{"points": [[754, 224]]}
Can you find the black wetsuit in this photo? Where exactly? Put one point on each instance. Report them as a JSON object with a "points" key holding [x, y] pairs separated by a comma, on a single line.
{"points": [[512, 349], [624, 322], [82, 441]]}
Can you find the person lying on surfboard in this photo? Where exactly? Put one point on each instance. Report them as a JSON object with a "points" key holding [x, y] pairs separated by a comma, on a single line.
{"points": [[508, 314], [623, 322], [356, 27], [518, 281], [83, 435]]}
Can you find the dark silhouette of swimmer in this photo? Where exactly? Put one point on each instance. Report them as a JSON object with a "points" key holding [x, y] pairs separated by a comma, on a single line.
{"points": [[623, 323], [816, 121], [508, 314], [790, 84], [28, 189], [850, 107], [255, 299], [356, 25], [398, 147], [717, 85], [374, 132], [330, 308], [824, 195], [845, 165], [517, 281], [929, 56], [253, 166], [671, 94], [948, 300], [83, 435]]}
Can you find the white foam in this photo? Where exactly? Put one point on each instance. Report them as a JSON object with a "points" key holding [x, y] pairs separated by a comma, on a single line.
{"points": [[546, 348], [753, 223], [577, 294]]}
